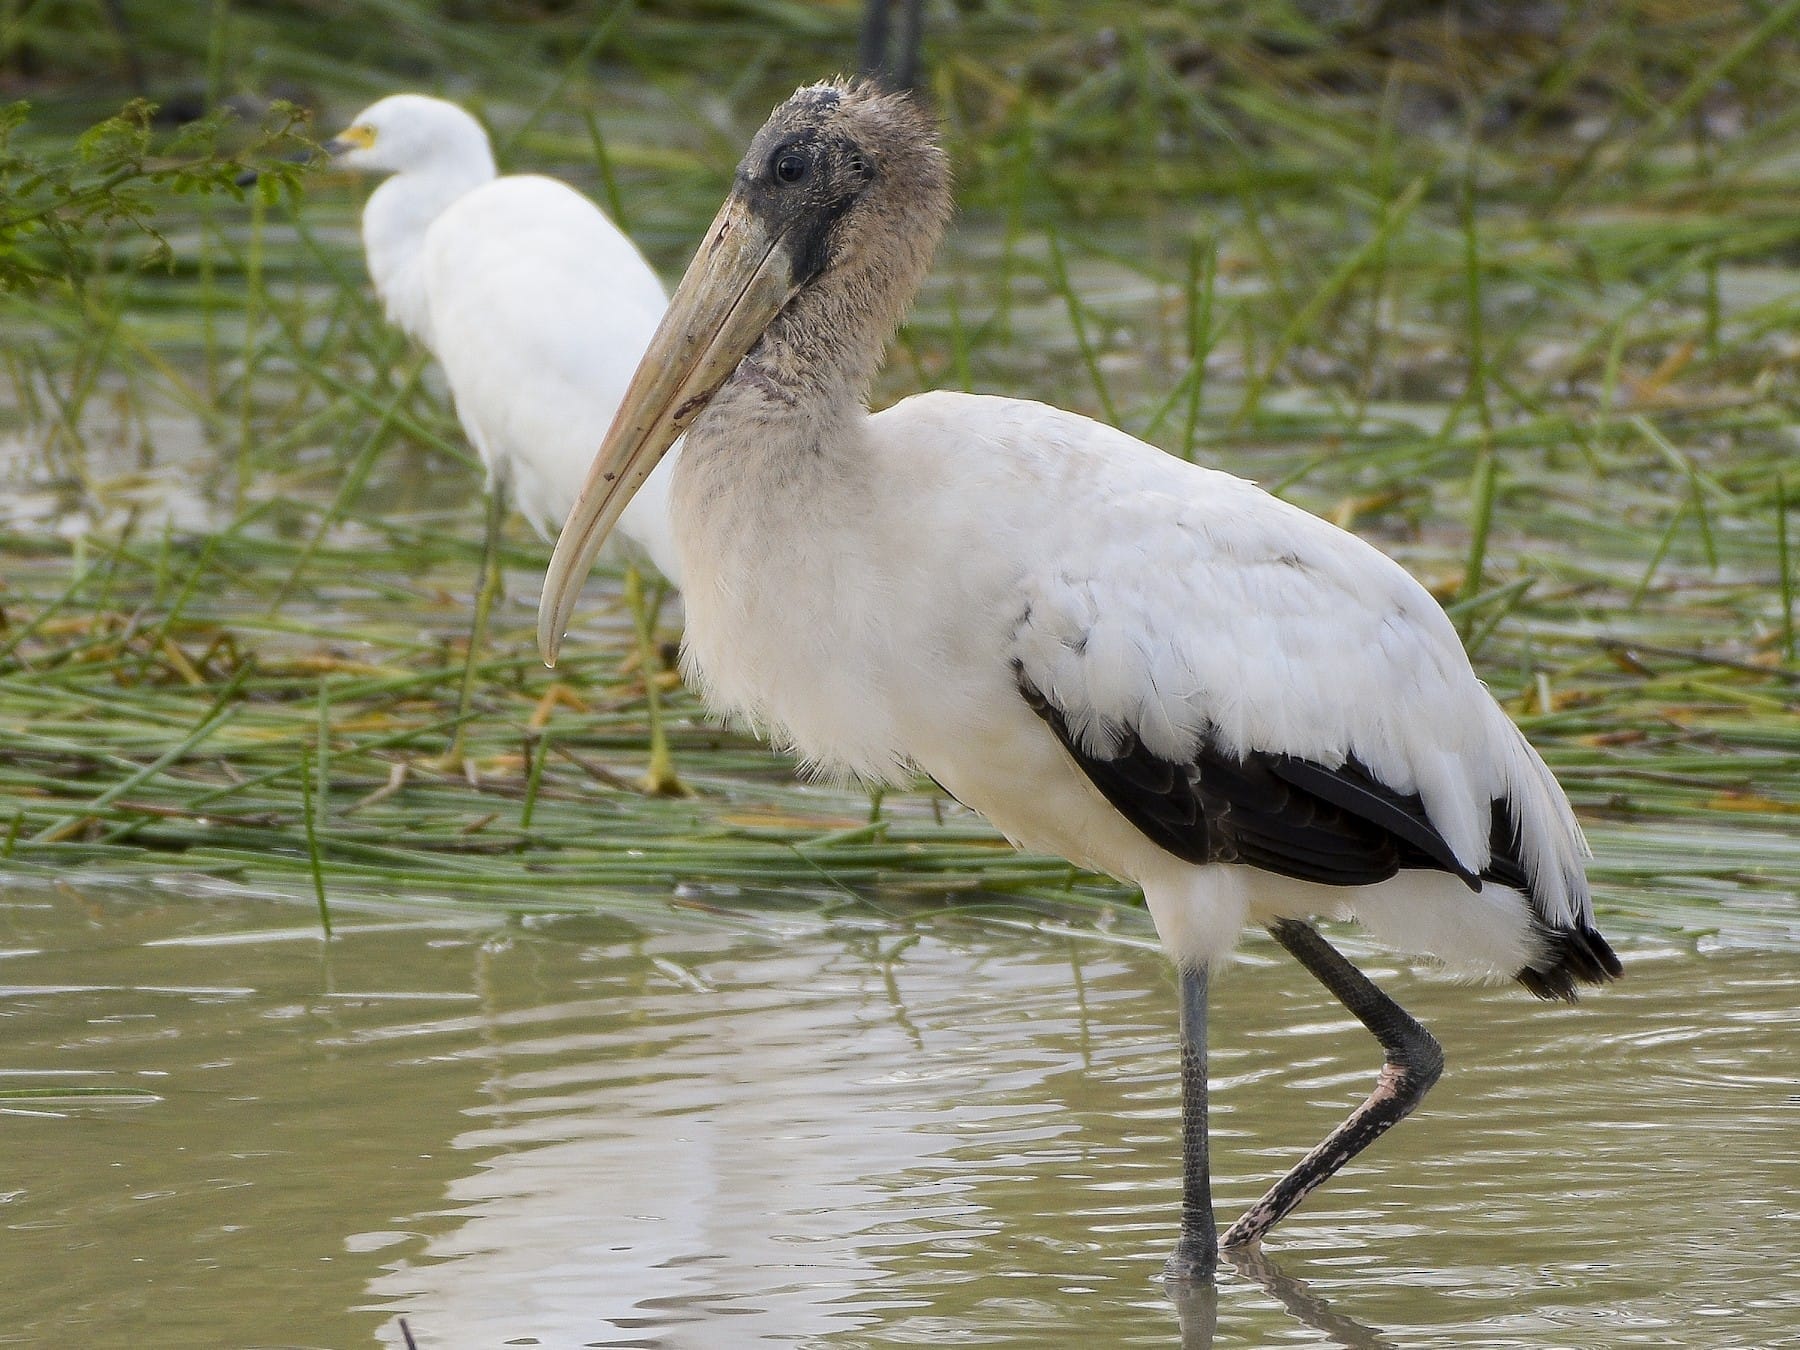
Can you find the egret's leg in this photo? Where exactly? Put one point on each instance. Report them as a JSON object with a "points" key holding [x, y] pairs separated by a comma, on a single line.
{"points": [[1196, 1254], [1414, 1061], [484, 604], [660, 778]]}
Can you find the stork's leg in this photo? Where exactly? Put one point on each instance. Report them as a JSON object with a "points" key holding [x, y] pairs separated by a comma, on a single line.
{"points": [[872, 55], [896, 64], [912, 33], [1414, 1061], [1196, 1254], [660, 778]]}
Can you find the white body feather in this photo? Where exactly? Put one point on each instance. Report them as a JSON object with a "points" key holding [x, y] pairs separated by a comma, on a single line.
{"points": [[537, 306], [866, 601]]}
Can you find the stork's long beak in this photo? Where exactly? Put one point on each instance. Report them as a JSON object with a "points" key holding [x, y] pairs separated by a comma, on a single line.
{"points": [[737, 283]]}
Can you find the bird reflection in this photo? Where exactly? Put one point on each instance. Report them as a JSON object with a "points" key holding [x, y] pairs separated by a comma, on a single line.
{"points": [[1197, 1305]]}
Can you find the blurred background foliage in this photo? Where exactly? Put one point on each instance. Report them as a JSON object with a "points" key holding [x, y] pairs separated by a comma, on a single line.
{"points": [[1512, 288]]}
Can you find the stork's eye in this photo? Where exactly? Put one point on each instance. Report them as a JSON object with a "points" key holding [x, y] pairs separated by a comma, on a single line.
{"points": [[791, 166]]}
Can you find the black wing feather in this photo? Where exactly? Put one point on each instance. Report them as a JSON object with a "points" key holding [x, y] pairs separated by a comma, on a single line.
{"points": [[1289, 816], [1297, 818], [1353, 788]]}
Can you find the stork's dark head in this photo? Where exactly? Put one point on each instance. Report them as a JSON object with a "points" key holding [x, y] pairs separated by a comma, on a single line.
{"points": [[810, 264], [841, 169]]}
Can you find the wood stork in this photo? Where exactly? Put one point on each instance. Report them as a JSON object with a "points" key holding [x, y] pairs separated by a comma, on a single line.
{"points": [[536, 305], [1156, 670]]}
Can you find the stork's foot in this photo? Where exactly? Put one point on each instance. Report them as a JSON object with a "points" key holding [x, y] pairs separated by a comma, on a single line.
{"points": [[1397, 1092], [1194, 1261]]}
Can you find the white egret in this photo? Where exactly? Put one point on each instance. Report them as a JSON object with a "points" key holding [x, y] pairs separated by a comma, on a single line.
{"points": [[536, 305], [1153, 669]]}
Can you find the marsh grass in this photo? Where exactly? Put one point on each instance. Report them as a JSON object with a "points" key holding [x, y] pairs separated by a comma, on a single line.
{"points": [[1520, 305]]}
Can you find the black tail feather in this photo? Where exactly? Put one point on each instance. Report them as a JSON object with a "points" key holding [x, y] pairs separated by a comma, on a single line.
{"points": [[1572, 956]]}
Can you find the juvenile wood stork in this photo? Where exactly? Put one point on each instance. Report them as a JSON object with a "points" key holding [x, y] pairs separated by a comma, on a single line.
{"points": [[537, 307], [1155, 670]]}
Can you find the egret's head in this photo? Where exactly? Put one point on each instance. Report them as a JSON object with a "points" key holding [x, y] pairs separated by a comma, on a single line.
{"points": [[409, 132], [830, 225]]}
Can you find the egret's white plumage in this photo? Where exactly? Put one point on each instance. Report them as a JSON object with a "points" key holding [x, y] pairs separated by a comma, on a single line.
{"points": [[536, 305], [1153, 669]]}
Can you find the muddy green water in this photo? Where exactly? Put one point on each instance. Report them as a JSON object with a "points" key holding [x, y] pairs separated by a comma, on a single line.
{"points": [[723, 1132]]}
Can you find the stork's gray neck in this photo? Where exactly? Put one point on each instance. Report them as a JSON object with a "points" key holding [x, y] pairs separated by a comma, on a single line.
{"points": [[791, 418], [762, 473], [775, 408], [784, 437], [820, 354]]}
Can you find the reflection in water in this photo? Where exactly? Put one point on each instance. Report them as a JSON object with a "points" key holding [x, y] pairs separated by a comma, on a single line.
{"points": [[1196, 1312], [586, 1133], [1197, 1306], [656, 1161], [761, 1135], [1302, 1303]]}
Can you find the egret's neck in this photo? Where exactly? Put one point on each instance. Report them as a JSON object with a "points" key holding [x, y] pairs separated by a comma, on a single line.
{"points": [[394, 224]]}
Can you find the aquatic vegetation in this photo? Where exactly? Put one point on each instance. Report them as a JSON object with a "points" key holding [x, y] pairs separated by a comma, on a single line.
{"points": [[1518, 304]]}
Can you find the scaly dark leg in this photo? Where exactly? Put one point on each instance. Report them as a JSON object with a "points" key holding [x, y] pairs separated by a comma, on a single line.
{"points": [[912, 38], [872, 53], [1414, 1061], [1196, 1254]]}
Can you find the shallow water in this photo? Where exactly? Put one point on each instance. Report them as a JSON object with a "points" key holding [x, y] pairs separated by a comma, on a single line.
{"points": [[739, 1130]]}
